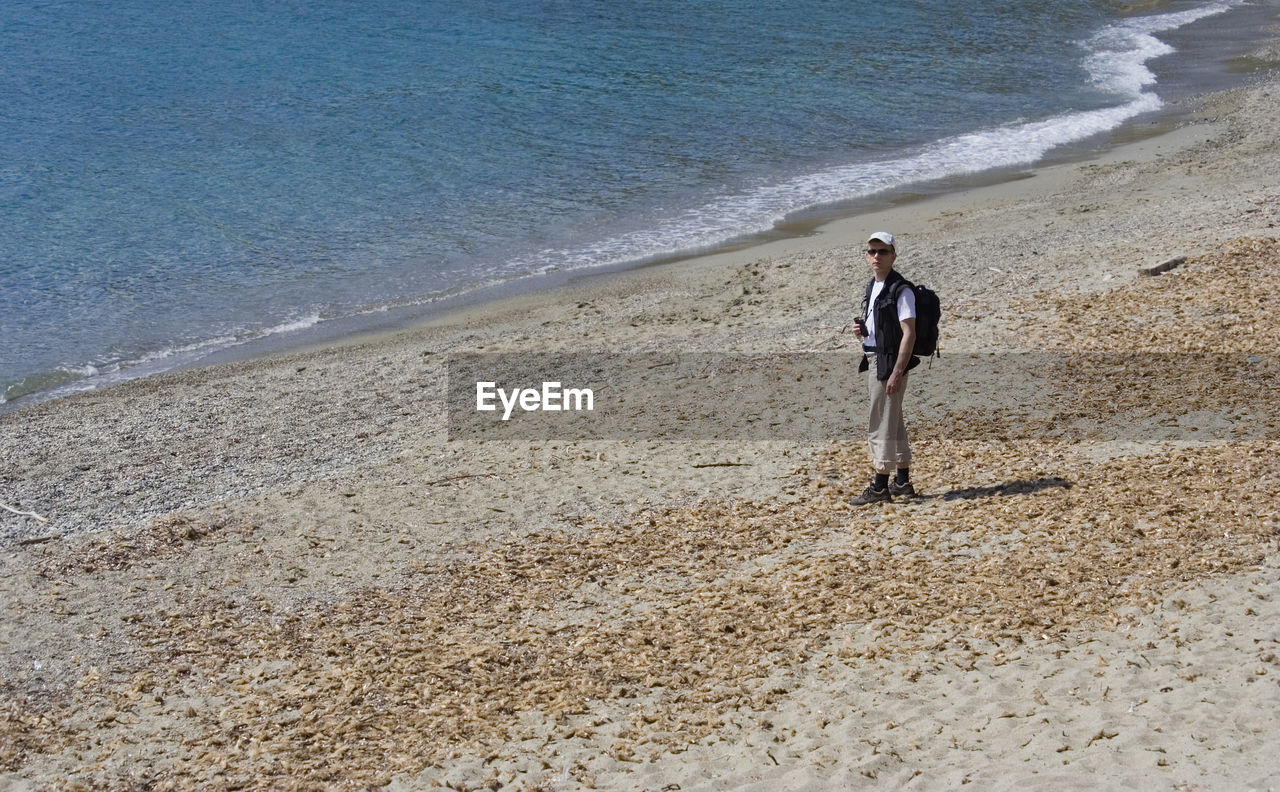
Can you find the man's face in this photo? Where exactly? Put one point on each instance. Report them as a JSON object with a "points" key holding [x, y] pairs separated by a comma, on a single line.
{"points": [[880, 256]]}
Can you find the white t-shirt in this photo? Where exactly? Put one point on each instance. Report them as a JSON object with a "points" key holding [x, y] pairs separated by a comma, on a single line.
{"points": [[906, 310]]}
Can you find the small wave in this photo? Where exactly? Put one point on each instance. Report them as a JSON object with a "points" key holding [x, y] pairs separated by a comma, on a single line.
{"points": [[1120, 51], [1117, 63], [730, 217], [70, 379], [62, 379], [294, 326], [208, 346]]}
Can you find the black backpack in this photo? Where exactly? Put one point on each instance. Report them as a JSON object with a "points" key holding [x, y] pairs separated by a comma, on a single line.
{"points": [[928, 315]]}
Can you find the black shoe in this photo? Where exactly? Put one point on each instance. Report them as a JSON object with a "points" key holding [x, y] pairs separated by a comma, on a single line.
{"points": [[872, 495], [903, 490]]}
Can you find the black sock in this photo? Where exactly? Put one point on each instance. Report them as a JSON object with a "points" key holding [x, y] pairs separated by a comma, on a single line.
{"points": [[882, 481], [903, 476]]}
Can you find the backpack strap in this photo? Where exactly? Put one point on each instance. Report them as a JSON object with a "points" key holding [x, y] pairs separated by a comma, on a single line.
{"points": [[900, 284]]}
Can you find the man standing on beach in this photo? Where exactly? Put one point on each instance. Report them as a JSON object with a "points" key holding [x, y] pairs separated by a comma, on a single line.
{"points": [[888, 333]]}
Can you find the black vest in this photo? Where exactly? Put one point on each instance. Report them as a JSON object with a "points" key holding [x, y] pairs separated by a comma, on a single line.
{"points": [[888, 328]]}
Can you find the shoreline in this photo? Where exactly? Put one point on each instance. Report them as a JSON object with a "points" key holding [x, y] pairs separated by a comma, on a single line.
{"points": [[817, 228], [285, 573], [796, 230], [518, 322]]}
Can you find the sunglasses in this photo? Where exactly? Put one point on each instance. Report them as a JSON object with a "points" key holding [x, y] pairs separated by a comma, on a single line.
{"points": [[879, 251]]}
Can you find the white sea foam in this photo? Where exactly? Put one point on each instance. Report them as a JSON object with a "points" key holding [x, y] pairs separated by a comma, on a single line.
{"points": [[205, 347], [1120, 51], [293, 326]]}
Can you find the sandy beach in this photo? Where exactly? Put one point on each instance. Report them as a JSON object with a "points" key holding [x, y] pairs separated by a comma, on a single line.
{"points": [[296, 573]]}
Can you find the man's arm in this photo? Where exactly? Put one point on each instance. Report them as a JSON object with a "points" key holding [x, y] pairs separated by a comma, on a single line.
{"points": [[905, 348]]}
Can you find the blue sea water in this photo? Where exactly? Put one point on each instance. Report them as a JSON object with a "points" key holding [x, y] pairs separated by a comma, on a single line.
{"points": [[180, 177]]}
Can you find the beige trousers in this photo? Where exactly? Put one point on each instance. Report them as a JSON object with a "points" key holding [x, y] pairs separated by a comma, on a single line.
{"points": [[886, 429]]}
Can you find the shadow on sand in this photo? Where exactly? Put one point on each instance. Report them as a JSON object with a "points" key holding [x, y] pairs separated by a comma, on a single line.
{"points": [[1008, 488]]}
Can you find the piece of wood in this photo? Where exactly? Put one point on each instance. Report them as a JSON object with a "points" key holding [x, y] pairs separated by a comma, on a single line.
{"points": [[20, 513], [433, 482], [1164, 266], [35, 540]]}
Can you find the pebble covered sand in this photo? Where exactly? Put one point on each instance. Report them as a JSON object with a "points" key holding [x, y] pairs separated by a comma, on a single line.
{"points": [[283, 574]]}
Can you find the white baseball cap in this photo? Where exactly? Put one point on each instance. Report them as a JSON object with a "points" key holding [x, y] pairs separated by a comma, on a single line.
{"points": [[882, 236]]}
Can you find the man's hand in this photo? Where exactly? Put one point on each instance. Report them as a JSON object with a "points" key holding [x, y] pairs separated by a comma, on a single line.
{"points": [[894, 385]]}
